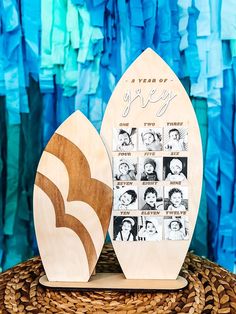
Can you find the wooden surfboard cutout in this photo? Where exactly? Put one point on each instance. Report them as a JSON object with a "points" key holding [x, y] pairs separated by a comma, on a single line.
{"points": [[153, 139], [72, 201]]}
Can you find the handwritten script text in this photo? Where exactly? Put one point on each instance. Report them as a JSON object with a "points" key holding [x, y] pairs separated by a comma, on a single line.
{"points": [[154, 96]]}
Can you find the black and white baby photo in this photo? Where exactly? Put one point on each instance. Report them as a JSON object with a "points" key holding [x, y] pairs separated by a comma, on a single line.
{"points": [[150, 139], [175, 139], [151, 198], [176, 198], [124, 228], [125, 198], [176, 228], [150, 228], [150, 169], [125, 169], [175, 169], [125, 140]]}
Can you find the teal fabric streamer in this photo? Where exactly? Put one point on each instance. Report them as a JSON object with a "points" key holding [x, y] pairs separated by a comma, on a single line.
{"points": [[164, 31], [2, 55], [49, 117], [212, 172], [19, 239], [183, 23], [136, 28], [225, 249], [2, 175], [233, 211], [31, 127], [191, 52], [64, 107], [200, 236], [97, 9], [176, 63], [31, 143], [16, 100], [204, 18], [228, 20], [233, 47], [31, 27], [12, 180], [124, 49]]}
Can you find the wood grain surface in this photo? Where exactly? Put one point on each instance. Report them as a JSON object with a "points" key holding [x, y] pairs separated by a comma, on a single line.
{"points": [[72, 200], [150, 96]]}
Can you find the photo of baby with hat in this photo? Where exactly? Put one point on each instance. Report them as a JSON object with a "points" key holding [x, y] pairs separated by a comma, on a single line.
{"points": [[150, 139], [175, 169], [176, 228], [125, 169], [125, 228], [151, 169]]}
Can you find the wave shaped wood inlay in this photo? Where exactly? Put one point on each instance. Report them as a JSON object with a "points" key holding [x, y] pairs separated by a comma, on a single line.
{"points": [[81, 186], [67, 220]]}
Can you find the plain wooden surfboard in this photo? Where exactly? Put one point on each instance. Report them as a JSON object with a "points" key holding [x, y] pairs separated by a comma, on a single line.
{"points": [[72, 201], [149, 96]]}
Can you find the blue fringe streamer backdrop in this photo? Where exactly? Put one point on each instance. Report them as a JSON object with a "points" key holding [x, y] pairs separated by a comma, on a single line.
{"points": [[57, 56]]}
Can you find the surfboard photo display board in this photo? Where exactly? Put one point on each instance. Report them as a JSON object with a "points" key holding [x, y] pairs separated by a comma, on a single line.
{"points": [[153, 139], [151, 167]]}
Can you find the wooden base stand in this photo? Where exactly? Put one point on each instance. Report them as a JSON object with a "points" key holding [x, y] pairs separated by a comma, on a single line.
{"points": [[117, 281]]}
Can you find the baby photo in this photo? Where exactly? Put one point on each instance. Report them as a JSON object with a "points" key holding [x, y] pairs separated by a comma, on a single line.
{"points": [[125, 140], [150, 169], [125, 198], [150, 139], [125, 169], [151, 198], [176, 198], [175, 139], [176, 228], [150, 228], [175, 169], [125, 228]]}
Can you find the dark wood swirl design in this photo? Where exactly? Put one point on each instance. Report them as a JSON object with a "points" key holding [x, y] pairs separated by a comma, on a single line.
{"points": [[67, 220], [81, 186]]}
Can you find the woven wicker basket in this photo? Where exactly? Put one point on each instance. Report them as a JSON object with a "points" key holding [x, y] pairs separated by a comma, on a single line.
{"points": [[211, 289]]}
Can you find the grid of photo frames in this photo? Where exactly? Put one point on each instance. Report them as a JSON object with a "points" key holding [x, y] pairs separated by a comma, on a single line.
{"points": [[131, 193]]}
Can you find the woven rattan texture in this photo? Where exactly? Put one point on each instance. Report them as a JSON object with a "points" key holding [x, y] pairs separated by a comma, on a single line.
{"points": [[211, 289]]}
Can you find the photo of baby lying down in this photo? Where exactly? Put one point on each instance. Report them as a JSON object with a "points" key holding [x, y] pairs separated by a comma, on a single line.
{"points": [[125, 198], [150, 139], [150, 228]]}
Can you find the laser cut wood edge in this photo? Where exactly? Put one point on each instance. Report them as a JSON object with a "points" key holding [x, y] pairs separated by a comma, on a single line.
{"points": [[117, 281], [62, 246], [166, 261]]}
